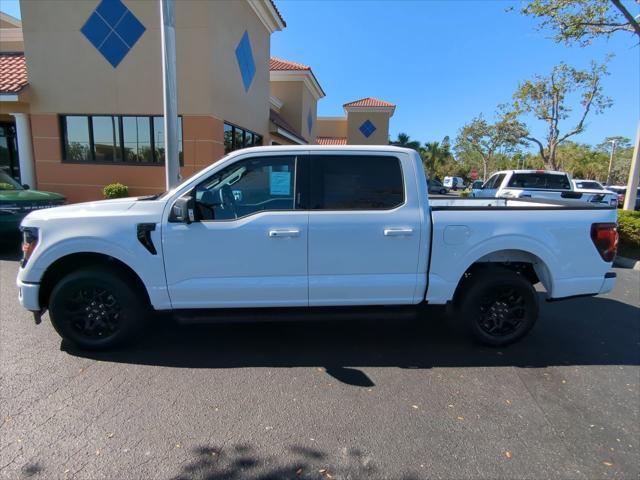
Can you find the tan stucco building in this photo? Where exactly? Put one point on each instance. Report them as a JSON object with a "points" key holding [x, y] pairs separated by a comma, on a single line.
{"points": [[81, 92]]}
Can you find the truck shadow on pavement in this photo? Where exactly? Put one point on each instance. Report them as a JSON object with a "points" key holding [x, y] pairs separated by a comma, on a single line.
{"points": [[588, 331]]}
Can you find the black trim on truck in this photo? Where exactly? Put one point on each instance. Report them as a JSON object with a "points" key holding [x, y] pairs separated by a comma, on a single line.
{"points": [[144, 236]]}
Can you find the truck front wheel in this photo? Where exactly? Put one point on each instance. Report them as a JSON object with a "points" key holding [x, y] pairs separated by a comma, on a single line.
{"points": [[95, 308], [498, 305]]}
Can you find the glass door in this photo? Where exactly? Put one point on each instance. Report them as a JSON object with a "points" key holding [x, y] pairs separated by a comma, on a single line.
{"points": [[8, 151]]}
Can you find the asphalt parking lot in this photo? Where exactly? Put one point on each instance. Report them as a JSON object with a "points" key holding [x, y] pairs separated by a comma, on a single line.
{"points": [[391, 399]]}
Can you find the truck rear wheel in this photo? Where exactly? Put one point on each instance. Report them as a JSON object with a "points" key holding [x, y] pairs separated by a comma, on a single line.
{"points": [[498, 306], [96, 308]]}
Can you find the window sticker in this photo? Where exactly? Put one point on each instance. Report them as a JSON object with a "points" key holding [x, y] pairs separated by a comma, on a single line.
{"points": [[280, 183]]}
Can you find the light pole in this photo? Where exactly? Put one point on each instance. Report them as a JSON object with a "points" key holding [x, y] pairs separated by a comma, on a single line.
{"points": [[613, 143], [168, 33]]}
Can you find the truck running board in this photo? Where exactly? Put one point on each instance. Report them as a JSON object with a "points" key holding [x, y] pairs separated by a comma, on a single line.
{"points": [[230, 315]]}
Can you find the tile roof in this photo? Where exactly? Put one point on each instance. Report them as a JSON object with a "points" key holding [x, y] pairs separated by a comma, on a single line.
{"points": [[279, 121], [331, 140], [13, 72], [277, 64], [369, 102]]}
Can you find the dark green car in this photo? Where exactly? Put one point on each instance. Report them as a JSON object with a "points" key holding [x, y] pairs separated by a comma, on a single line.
{"points": [[17, 201]]}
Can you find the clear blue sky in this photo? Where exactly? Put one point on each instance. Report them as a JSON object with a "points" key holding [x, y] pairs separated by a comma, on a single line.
{"points": [[441, 62]]}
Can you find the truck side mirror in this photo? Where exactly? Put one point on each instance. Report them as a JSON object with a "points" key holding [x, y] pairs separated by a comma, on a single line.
{"points": [[183, 209]]}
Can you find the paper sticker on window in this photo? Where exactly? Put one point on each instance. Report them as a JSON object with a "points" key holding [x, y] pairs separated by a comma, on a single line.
{"points": [[280, 183]]}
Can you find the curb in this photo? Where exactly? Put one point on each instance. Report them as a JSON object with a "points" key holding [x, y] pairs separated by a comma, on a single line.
{"points": [[625, 262]]}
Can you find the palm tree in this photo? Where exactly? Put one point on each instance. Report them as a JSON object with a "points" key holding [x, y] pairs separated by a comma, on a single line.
{"points": [[434, 154], [404, 140]]}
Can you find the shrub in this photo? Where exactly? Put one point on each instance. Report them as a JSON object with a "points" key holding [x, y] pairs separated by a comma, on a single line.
{"points": [[115, 190], [629, 230], [465, 193]]}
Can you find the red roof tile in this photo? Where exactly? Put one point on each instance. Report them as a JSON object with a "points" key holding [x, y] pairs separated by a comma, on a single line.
{"points": [[13, 72], [276, 64], [331, 140], [369, 102]]}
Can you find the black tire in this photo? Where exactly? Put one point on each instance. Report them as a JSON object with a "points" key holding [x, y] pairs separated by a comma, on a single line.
{"points": [[97, 308], [498, 306], [443, 192]]}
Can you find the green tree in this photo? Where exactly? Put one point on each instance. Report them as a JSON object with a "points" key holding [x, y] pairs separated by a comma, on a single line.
{"points": [[621, 157], [583, 20], [404, 140], [546, 98], [482, 140], [435, 154]]}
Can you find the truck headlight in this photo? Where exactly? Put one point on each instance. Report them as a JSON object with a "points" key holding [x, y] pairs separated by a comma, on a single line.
{"points": [[29, 242]]}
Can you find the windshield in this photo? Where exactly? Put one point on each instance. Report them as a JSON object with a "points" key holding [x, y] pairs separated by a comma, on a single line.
{"points": [[8, 183]]}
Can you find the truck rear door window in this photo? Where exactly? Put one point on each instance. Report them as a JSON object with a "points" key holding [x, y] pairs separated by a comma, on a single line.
{"points": [[546, 181], [355, 182]]}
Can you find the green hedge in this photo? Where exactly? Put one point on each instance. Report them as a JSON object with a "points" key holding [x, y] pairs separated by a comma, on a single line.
{"points": [[629, 230], [116, 190]]}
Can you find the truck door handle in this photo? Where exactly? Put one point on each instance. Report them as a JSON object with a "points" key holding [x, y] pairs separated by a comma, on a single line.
{"points": [[394, 232], [284, 232]]}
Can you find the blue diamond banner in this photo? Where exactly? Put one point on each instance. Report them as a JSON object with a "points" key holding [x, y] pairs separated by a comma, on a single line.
{"points": [[113, 30], [367, 128], [244, 57]]}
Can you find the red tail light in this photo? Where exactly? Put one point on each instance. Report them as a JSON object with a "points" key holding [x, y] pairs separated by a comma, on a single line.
{"points": [[605, 238]]}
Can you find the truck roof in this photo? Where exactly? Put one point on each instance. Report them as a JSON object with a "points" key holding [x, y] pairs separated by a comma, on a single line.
{"points": [[360, 148]]}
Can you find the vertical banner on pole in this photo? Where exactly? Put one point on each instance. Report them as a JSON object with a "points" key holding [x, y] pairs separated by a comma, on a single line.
{"points": [[168, 33]]}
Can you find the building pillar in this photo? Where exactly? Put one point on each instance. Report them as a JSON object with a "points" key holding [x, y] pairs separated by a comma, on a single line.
{"points": [[25, 149]]}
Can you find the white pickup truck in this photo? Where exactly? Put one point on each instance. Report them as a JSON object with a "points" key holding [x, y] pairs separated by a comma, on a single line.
{"points": [[275, 232], [536, 184]]}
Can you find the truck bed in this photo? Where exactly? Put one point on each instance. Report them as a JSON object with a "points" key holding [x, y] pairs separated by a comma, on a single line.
{"points": [[508, 203], [553, 235]]}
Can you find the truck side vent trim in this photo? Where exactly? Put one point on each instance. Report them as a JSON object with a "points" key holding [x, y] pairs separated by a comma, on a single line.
{"points": [[144, 236]]}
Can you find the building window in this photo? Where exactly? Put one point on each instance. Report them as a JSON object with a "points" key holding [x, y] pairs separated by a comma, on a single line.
{"points": [[237, 137], [122, 139]]}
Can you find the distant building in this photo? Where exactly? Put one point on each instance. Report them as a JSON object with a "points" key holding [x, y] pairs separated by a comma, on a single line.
{"points": [[81, 93]]}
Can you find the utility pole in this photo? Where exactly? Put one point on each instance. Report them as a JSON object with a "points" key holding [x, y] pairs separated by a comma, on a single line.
{"points": [[613, 143], [634, 175], [168, 34]]}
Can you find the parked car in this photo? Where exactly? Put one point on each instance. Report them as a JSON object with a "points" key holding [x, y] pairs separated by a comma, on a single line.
{"points": [[621, 191], [436, 186], [597, 193], [16, 201], [454, 183], [318, 230]]}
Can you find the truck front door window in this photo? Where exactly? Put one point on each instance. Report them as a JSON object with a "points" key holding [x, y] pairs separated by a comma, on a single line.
{"points": [[246, 187]]}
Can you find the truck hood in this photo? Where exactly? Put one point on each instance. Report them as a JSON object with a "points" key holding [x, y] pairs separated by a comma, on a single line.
{"points": [[100, 209], [28, 196]]}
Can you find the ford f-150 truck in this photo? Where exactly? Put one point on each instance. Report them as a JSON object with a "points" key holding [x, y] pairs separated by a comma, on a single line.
{"points": [[275, 232]]}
